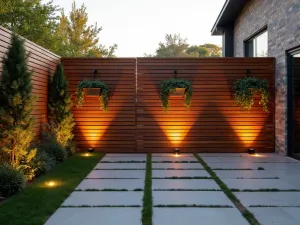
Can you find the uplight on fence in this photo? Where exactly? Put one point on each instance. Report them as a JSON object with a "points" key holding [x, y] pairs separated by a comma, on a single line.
{"points": [[176, 152]]}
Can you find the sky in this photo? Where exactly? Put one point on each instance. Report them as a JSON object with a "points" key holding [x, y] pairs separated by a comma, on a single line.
{"points": [[137, 26]]}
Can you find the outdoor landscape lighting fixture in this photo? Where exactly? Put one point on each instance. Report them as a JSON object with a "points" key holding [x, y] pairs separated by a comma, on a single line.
{"points": [[176, 152], [251, 151], [90, 150], [51, 184]]}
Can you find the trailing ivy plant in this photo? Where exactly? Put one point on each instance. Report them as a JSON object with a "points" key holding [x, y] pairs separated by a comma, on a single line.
{"points": [[246, 88], [169, 86], [93, 84]]}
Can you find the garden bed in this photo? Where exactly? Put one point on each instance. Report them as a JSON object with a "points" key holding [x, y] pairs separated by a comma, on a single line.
{"points": [[39, 200]]}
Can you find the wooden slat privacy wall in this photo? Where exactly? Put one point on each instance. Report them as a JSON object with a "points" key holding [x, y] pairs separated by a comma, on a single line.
{"points": [[42, 62], [114, 130], [136, 122]]}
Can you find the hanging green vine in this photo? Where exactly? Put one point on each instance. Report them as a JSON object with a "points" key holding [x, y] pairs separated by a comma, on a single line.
{"points": [[244, 90], [93, 84], [169, 86]]}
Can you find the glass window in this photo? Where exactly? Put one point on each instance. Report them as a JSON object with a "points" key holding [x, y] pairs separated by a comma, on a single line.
{"points": [[257, 46]]}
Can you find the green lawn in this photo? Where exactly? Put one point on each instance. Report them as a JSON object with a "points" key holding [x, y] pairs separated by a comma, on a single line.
{"points": [[38, 201]]}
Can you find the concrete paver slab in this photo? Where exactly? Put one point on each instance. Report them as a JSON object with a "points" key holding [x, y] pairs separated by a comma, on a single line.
{"points": [[256, 184], [94, 174], [93, 216], [269, 198], [242, 165], [105, 166], [174, 159], [190, 197], [171, 154], [179, 173], [277, 216], [196, 216], [201, 184], [103, 198], [221, 154], [177, 166], [257, 174], [100, 184]]}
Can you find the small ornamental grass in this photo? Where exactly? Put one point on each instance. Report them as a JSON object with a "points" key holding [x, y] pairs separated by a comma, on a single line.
{"points": [[169, 86], [11, 180], [93, 84], [246, 88]]}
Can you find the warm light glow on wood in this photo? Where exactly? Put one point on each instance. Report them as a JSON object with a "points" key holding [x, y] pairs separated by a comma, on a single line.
{"points": [[248, 134]]}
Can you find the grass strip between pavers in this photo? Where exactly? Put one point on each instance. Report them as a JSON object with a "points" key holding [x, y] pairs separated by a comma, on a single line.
{"points": [[36, 203], [245, 212], [147, 198]]}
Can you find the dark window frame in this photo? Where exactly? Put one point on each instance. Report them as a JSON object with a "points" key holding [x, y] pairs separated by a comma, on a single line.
{"points": [[290, 99], [251, 38]]}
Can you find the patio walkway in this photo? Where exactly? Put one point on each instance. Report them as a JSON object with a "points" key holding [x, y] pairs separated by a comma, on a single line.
{"points": [[184, 193]]}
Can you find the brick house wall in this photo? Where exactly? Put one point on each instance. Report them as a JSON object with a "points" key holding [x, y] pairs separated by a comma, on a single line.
{"points": [[282, 18]]}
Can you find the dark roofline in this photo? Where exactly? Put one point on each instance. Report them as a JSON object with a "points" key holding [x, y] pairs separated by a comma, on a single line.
{"points": [[228, 15]]}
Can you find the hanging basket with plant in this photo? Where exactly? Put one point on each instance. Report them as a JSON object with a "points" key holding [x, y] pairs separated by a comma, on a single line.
{"points": [[175, 87], [245, 89], [92, 88]]}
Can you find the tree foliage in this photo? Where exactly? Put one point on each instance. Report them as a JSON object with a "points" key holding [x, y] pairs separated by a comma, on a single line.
{"points": [[60, 117], [16, 100], [77, 38], [176, 46], [31, 19]]}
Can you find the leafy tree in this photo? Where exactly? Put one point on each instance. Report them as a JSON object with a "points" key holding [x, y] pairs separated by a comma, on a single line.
{"points": [[79, 39], [16, 100], [60, 117], [31, 19], [214, 50], [174, 46], [198, 51]]}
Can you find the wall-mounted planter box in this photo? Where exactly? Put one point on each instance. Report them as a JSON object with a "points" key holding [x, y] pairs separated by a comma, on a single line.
{"points": [[178, 92], [92, 92]]}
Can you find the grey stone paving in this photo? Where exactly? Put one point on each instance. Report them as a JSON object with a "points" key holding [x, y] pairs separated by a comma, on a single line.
{"points": [[93, 216], [177, 166], [100, 184], [179, 173], [286, 169], [277, 216], [104, 166], [256, 184], [196, 216], [269, 198], [171, 154], [257, 174], [237, 165], [174, 159], [185, 184], [117, 174], [103, 198], [207, 198]]}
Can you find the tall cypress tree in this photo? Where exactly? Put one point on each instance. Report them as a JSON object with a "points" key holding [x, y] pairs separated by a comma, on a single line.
{"points": [[60, 117], [16, 103]]}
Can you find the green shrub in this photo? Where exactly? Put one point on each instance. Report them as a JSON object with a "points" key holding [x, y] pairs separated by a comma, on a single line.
{"points": [[43, 162], [54, 149], [11, 180], [71, 148]]}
